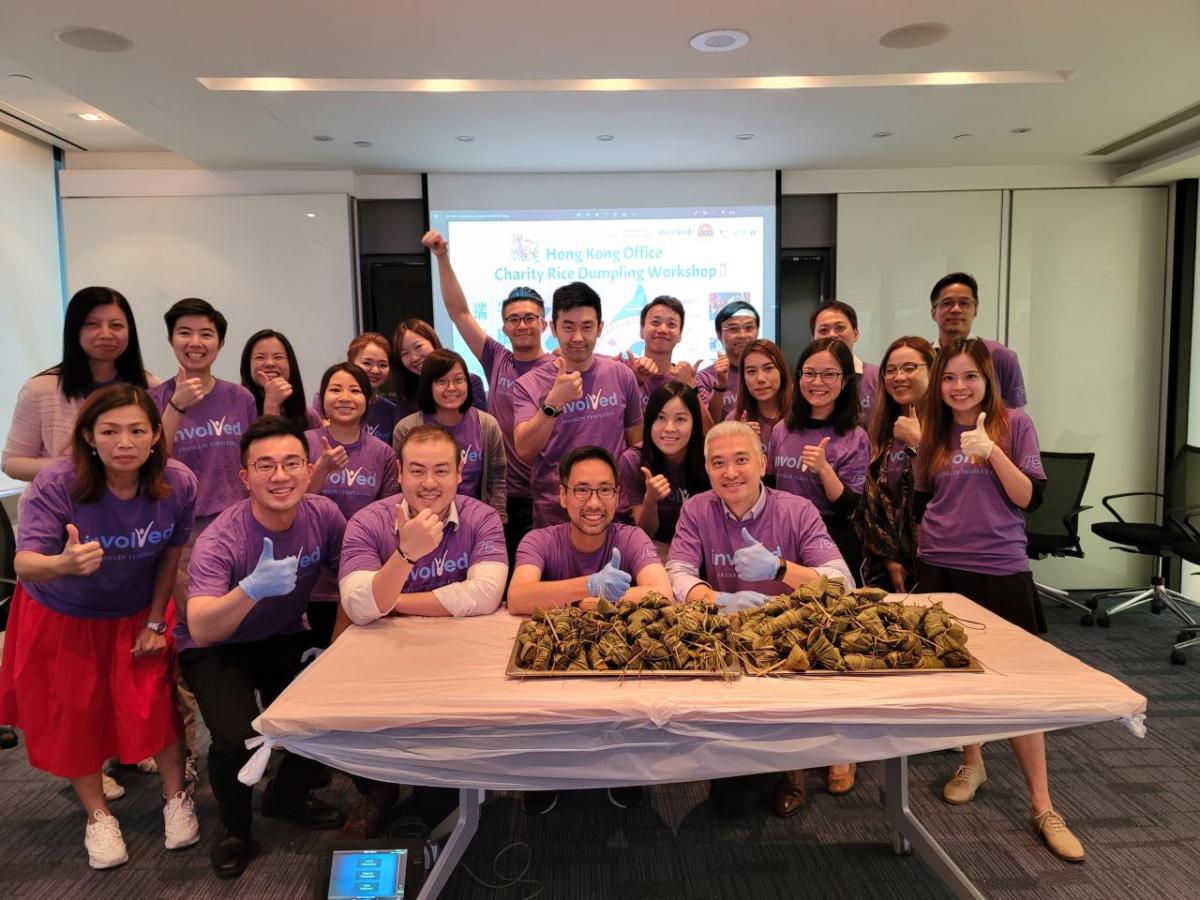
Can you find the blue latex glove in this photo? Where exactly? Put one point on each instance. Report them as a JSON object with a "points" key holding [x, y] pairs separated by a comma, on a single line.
{"points": [[271, 577], [731, 602], [754, 562], [610, 582]]}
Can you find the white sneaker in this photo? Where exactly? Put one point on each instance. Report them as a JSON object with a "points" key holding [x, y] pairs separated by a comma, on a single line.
{"points": [[148, 766], [179, 822], [112, 790], [103, 842]]}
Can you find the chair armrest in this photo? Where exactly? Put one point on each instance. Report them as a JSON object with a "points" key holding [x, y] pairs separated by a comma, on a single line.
{"points": [[1108, 505], [1071, 521], [1183, 516]]}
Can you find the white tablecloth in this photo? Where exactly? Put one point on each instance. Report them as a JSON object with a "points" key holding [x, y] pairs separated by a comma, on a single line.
{"points": [[426, 701]]}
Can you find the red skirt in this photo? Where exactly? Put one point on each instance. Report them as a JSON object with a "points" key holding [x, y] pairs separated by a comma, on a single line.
{"points": [[79, 694]]}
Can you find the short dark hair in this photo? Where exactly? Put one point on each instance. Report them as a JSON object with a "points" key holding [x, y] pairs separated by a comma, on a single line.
{"points": [[520, 294], [582, 454], [736, 308], [425, 434], [954, 278], [437, 365], [194, 306], [669, 302], [294, 407], [838, 306], [268, 427], [350, 369], [846, 407], [75, 371], [573, 296]]}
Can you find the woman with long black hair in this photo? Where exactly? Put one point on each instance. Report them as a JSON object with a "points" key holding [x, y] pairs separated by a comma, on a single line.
{"points": [[271, 373]]}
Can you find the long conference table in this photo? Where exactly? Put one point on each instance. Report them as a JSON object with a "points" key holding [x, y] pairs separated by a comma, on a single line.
{"points": [[426, 702]]}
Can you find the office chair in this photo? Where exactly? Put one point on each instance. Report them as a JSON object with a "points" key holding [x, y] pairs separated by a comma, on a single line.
{"points": [[1053, 528], [1155, 540], [1189, 635], [8, 584]]}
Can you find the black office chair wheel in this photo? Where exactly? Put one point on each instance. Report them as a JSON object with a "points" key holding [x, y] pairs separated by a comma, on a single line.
{"points": [[1102, 620], [1178, 657], [8, 738], [1087, 619]]}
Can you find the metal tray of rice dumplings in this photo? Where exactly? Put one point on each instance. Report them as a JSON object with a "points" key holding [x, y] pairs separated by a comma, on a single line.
{"points": [[975, 667], [516, 670]]}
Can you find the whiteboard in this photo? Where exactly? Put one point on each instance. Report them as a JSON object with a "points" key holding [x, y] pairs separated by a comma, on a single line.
{"points": [[282, 262]]}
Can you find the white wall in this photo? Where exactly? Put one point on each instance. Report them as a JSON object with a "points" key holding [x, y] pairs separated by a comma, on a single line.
{"points": [[31, 301], [262, 260]]}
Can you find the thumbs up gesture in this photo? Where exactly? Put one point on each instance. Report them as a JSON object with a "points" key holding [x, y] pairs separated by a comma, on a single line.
{"points": [[275, 391], [976, 443], [754, 562], [657, 486], [685, 371], [567, 386], [907, 429], [611, 582], [721, 372], [642, 366], [436, 244], [271, 577], [332, 457], [188, 391], [418, 535], [753, 423], [77, 558], [814, 457]]}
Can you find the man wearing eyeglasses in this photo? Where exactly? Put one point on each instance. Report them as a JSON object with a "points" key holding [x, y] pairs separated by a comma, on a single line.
{"points": [[249, 583], [835, 319], [737, 325], [524, 315], [954, 301]]}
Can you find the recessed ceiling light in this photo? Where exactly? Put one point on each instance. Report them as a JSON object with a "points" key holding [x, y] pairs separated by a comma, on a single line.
{"points": [[16, 76], [311, 215], [882, 134], [720, 40], [465, 138], [912, 36], [605, 137], [745, 136], [965, 136], [89, 117], [1024, 129], [94, 39], [363, 144], [322, 138]]}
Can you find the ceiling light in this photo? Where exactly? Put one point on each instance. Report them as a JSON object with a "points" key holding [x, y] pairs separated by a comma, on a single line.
{"points": [[605, 137], [89, 117], [363, 144], [465, 138], [722, 40], [745, 136], [1024, 129], [882, 134], [965, 136], [322, 138], [94, 39], [311, 215], [16, 76], [912, 36]]}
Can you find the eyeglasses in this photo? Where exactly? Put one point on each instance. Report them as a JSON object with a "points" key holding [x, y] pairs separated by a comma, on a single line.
{"points": [[828, 376], [583, 494], [291, 465], [454, 381], [527, 319], [955, 302], [907, 370]]}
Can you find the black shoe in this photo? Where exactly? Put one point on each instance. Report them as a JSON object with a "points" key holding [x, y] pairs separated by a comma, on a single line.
{"points": [[231, 855], [8, 738], [307, 812], [625, 797], [538, 803]]}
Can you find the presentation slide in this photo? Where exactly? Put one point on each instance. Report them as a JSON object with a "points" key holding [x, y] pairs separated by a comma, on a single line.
{"points": [[704, 256]]}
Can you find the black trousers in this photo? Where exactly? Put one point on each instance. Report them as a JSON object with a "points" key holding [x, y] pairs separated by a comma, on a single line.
{"points": [[1011, 597], [740, 795], [224, 679], [520, 523]]}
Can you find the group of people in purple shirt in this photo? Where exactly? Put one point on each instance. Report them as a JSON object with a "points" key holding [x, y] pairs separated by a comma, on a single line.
{"points": [[190, 544]]}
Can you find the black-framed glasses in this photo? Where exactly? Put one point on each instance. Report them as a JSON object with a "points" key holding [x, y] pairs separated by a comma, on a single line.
{"points": [[907, 370], [828, 376], [955, 302], [291, 465], [583, 494], [526, 319]]}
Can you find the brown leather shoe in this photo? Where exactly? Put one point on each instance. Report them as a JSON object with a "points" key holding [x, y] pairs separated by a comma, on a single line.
{"points": [[841, 784], [368, 814], [789, 794]]}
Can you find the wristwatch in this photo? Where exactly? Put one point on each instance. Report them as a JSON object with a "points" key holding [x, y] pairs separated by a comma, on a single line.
{"points": [[782, 570], [157, 627], [549, 411]]}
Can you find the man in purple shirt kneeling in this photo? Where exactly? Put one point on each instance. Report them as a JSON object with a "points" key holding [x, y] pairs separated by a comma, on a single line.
{"points": [[736, 546]]}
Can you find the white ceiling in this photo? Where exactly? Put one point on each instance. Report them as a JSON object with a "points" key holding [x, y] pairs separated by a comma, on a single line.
{"points": [[1131, 65]]}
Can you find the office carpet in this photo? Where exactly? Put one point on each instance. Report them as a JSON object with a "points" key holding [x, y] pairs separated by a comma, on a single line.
{"points": [[1134, 803]]}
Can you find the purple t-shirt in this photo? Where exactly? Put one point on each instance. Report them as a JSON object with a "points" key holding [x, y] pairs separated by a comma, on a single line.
{"points": [[503, 370], [230, 548], [707, 536], [478, 538], [610, 404], [381, 418], [849, 454], [706, 378], [207, 441], [370, 471], [970, 523], [633, 490], [550, 549], [133, 534], [868, 384]]}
